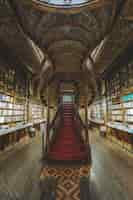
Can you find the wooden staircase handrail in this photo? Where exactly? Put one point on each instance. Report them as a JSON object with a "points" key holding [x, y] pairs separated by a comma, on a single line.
{"points": [[81, 121], [81, 125], [76, 113], [53, 123]]}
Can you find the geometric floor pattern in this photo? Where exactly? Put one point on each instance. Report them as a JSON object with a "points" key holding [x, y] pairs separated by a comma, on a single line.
{"points": [[68, 180]]}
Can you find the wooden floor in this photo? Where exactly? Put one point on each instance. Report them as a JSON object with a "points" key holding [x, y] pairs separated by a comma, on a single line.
{"points": [[20, 171], [111, 175], [112, 172]]}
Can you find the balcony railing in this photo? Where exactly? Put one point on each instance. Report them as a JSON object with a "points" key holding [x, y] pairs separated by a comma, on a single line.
{"points": [[65, 3]]}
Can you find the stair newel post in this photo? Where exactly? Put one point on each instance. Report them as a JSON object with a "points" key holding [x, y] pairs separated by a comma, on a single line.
{"points": [[86, 120], [48, 121]]}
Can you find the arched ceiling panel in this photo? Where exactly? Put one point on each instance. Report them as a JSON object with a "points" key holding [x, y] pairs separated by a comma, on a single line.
{"points": [[72, 54], [70, 51], [37, 23], [67, 32], [67, 45], [66, 38], [70, 58]]}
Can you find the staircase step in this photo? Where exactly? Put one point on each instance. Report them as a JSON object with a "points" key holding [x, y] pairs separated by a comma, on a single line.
{"points": [[66, 154], [68, 145], [68, 157]]}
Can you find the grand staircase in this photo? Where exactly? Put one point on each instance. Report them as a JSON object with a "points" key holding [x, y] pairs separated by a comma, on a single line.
{"points": [[68, 146]]}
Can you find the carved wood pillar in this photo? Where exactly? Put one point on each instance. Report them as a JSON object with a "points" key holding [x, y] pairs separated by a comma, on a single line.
{"points": [[48, 121], [86, 120]]}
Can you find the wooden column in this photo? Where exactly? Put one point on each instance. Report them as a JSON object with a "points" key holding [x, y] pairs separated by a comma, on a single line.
{"points": [[86, 120], [43, 132], [48, 121]]}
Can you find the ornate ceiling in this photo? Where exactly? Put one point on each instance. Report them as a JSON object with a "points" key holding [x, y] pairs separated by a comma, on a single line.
{"points": [[118, 39], [67, 38]]}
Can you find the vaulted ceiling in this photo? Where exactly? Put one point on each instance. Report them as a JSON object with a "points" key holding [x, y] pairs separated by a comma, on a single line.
{"points": [[67, 38], [118, 39]]}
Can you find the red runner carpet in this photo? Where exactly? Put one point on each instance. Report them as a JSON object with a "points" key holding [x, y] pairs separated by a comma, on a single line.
{"points": [[68, 146]]}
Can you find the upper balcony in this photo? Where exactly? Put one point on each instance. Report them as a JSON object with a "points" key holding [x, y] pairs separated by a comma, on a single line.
{"points": [[63, 5], [69, 6]]}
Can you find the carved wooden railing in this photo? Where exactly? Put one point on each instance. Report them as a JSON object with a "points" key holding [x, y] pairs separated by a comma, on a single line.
{"points": [[80, 127], [63, 3], [82, 131], [52, 129]]}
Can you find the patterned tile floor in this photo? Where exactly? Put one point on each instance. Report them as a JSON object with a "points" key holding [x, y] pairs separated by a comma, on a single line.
{"points": [[68, 180]]}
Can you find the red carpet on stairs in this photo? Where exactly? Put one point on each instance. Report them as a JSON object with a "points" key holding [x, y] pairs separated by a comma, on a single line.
{"points": [[68, 146]]}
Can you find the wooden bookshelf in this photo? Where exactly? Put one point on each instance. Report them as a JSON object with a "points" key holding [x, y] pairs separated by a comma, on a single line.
{"points": [[119, 96], [12, 109], [17, 111], [36, 111]]}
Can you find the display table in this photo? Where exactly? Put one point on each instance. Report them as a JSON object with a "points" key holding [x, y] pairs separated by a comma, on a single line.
{"points": [[13, 135], [97, 121], [39, 122], [120, 126], [15, 129], [100, 125], [121, 134], [19, 127]]}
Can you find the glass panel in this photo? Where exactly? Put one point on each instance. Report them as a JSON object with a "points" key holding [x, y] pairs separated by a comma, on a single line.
{"points": [[68, 98]]}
